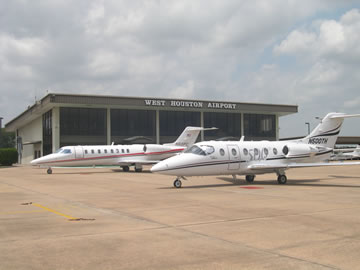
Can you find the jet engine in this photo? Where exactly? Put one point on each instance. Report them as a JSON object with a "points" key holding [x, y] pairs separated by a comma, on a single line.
{"points": [[299, 150], [155, 148]]}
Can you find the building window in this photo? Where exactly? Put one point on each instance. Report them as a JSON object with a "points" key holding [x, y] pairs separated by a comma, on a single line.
{"points": [[47, 132], [129, 123], [172, 123], [259, 126], [82, 126], [228, 124]]}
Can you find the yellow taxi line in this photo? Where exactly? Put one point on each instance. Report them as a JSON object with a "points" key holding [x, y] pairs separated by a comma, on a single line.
{"points": [[53, 211]]}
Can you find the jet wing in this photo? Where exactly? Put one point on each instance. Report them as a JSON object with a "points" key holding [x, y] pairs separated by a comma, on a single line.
{"points": [[298, 165], [145, 162]]}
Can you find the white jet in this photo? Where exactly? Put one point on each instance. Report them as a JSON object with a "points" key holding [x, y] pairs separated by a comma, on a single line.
{"points": [[341, 154], [256, 157], [122, 155]]}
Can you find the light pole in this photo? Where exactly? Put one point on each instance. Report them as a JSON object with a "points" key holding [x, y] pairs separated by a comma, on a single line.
{"points": [[308, 124]]}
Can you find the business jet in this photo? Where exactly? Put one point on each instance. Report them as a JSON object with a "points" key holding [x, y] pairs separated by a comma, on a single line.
{"points": [[347, 153], [135, 155], [250, 158]]}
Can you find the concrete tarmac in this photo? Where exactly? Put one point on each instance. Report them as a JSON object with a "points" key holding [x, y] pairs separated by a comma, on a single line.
{"points": [[107, 219]]}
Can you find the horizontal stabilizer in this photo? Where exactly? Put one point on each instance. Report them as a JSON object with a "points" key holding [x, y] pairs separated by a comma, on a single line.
{"points": [[344, 116]]}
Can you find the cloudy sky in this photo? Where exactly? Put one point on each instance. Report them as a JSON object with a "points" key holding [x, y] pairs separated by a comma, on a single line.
{"points": [[305, 53]]}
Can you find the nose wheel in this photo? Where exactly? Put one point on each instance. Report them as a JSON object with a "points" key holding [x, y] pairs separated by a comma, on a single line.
{"points": [[177, 183], [250, 178]]}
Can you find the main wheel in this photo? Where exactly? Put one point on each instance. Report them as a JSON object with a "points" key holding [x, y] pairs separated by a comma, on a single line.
{"points": [[49, 171], [282, 179], [125, 168], [250, 178], [177, 183]]}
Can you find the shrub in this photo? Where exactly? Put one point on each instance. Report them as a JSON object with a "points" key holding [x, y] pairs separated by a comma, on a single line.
{"points": [[8, 156]]}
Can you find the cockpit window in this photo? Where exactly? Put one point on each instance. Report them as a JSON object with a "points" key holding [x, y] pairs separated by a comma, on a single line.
{"points": [[63, 151], [203, 150]]}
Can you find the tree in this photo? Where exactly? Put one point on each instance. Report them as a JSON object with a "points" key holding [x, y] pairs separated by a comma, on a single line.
{"points": [[7, 139]]}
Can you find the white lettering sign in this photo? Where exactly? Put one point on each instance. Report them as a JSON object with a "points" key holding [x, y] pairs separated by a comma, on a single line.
{"points": [[189, 104]]}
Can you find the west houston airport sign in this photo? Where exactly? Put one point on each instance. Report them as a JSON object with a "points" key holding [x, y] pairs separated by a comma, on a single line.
{"points": [[189, 104]]}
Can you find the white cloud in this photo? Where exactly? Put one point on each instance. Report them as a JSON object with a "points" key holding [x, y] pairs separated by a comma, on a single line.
{"points": [[189, 49]]}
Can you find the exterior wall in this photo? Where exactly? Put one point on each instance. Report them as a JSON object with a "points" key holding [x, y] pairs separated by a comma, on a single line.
{"points": [[31, 132]]}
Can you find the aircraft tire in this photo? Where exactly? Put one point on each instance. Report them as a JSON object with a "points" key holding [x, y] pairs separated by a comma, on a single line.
{"points": [[49, 171], [250, 178], [125, 168], [282, 179], [177, 183]]}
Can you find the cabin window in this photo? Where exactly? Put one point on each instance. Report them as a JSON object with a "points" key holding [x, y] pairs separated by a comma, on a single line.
{"points": [[245, 151], [256, 151], [275, 151], [105, 151], [86, 151], [234, 152], [222, 152], [112, 151], [266, 151], [122, 151], [117, 151], [127, 151], [99, 151], [92, 151]]}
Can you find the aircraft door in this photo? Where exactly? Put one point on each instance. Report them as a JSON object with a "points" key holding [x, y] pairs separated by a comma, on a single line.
{"points": [[79, 153], [234, 157]]}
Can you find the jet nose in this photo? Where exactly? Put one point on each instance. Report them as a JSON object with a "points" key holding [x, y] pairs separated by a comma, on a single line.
{"points": [[34, 162], [161, 166]]}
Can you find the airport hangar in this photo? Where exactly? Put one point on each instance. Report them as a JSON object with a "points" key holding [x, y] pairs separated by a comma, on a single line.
{"points": [[66, 119]]}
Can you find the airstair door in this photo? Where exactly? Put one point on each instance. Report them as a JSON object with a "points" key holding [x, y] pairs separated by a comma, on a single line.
{"points": [[79, 153], [234, 157]]}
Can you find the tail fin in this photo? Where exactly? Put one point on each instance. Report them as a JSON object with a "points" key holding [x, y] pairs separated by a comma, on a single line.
{"points": [[188, 136], [326, 133]]}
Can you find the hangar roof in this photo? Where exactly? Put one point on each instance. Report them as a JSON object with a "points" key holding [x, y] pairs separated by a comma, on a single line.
{"points": [[98, 101]]}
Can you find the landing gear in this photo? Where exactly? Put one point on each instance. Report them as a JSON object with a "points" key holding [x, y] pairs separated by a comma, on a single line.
{"points": [[250, 178], [125, 168], [177, 183], [49, 171], [282, 179], [138, 168]]}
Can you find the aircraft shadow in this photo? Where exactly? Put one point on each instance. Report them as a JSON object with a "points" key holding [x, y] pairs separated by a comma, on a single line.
{"points": [[107, 172], [290, 182], [344, 176]]}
